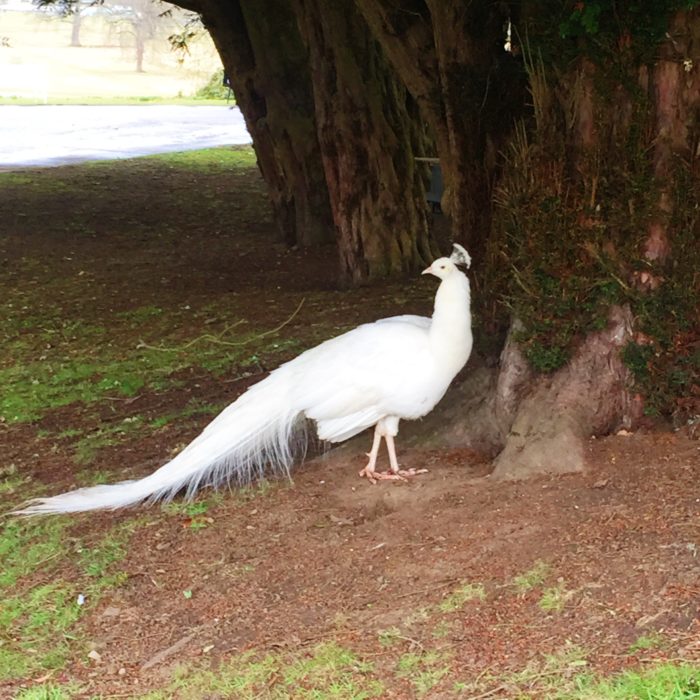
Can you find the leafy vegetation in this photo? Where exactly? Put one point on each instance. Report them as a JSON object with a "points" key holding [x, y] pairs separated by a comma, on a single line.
{"points": [[215, 88], [595, 26]]}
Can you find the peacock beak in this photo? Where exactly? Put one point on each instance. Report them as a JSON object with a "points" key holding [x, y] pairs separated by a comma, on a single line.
{"points": [[427, 271]]}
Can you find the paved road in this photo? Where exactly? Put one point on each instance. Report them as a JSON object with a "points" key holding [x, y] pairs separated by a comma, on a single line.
{"points": [[56, 135]]}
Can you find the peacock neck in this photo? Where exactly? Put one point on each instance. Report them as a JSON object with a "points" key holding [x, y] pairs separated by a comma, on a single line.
{"points": [[450, 330]]}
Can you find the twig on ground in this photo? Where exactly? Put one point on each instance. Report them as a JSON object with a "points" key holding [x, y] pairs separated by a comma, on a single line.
{"points": [[217, 338]]}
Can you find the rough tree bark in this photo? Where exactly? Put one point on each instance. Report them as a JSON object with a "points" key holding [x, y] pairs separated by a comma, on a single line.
{"points": [[676, 91], [267, 64], [369, 132], [555, 416], [451, 57]]}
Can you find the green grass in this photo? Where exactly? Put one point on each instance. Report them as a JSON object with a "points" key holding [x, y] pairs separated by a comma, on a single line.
{"points": [[563, 675], [333, 672], [34, 386], [390, 636], [466, 592], [33, 620], [424, 670], [27, 545], [124, 367], [76, 375], [53, 356], [663, 682], [11, 480], [532, 578], [542, 678], [653, 640], [87, 448], [46, 692], [554, 598], [194, 511], [197, 512], [194, 408], [39, 628], [209, 158], [326, 672]]}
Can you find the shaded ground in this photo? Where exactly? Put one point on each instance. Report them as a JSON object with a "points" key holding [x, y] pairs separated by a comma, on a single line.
{"points": [[124, 330]]}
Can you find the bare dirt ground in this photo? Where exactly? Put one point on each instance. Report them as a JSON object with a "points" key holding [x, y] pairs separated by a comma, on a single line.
{"points": [[448, 586]]}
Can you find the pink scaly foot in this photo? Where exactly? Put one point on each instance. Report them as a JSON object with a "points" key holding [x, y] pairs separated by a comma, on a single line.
{"points": [[405, 474], [395, 474], [375, 476]]}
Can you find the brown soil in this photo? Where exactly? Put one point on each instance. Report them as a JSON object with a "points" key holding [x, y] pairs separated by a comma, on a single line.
{"points": [[331, 557]]}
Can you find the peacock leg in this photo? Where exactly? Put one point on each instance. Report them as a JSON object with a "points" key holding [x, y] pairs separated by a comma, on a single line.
{"points": [[400, 473], [370, 470]]}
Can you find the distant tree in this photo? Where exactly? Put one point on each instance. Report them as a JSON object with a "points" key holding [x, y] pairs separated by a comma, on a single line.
{"points": [[138, 18], [77, 20]]}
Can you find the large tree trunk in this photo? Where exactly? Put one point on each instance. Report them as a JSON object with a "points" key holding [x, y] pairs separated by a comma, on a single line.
{"points": [[451, 57], [267, 64], [369, 132], [555, 415], [591, 212]]}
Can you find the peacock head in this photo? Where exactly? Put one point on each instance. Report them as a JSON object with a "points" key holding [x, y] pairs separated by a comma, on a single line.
{"points": [[444, 267]]}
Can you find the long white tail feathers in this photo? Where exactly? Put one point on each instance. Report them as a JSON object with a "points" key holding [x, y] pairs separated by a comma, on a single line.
{"points": [[259, 433]]}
